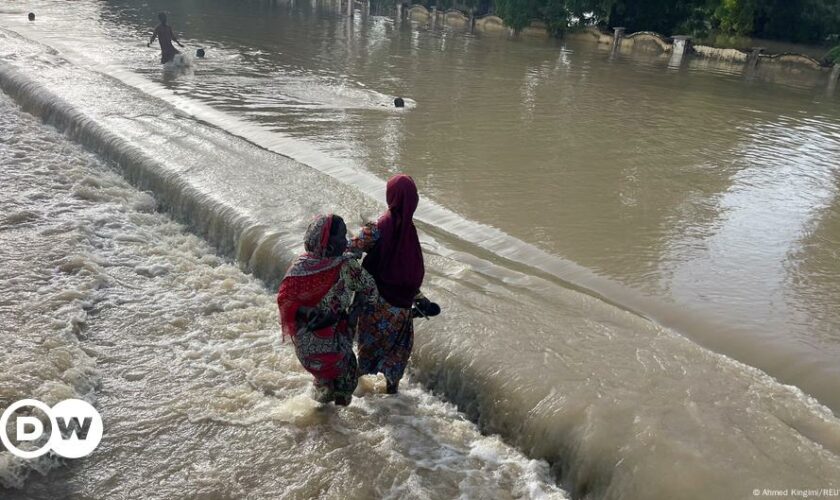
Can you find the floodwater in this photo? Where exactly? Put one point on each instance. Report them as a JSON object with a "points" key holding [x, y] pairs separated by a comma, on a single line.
{"points": [[638, 262], [105, 299]]}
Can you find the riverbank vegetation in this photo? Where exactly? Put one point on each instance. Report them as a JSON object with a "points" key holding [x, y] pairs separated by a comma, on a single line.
{"points": [[799, 21], [833, 56]]}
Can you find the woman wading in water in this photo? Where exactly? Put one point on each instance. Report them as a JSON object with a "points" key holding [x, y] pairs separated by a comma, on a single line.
{"points": [[395, 260], [314, 297]]}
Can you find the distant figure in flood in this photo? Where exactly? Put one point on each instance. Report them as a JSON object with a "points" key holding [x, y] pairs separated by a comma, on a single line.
{"points": [[314, 299], [399, 103], [199, 53], [165, 35], [31, 16], [395, 260]]}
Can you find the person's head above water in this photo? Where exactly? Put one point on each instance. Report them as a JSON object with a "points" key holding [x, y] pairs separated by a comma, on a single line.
{"points": [[199, 53], [162, 17], [326, 237], [31, 16], [399, 102]]}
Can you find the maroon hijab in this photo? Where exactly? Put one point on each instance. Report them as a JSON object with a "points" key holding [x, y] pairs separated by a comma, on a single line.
{"points": [[396, 261]]}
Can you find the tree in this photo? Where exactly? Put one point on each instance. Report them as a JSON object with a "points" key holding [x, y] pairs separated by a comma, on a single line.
{"points": [[736, 16], [518, 13], [792, 20]]}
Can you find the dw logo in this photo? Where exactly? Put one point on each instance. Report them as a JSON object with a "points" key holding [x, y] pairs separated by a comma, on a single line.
{"points": [[76, 428]]}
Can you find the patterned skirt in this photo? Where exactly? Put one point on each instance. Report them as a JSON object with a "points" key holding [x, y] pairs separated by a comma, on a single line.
{"points": [[386, 337], [330, 360]]}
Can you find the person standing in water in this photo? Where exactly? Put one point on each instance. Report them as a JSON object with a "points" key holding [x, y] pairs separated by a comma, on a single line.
{"points": [[395, 260], [314, 298], [165, 35]]}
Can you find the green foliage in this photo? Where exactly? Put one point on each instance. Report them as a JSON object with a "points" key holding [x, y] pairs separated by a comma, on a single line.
{"points": [[832, 56], [556, 14], [662, 16], [598, 9], [464, 5], [736, 16], [792, 20], [516, 13]]}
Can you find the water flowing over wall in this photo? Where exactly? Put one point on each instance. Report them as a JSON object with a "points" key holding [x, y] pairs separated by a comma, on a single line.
{"points": [[419, 13], [490, 23], [232, 232], [601, 389], [646, 37], [535, 28], [724, 54], [793, 59], [456, 18], [589, 35]]}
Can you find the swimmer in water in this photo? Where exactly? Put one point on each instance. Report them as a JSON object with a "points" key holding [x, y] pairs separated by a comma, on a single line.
{"points": [[31, 16], [166, 35]]}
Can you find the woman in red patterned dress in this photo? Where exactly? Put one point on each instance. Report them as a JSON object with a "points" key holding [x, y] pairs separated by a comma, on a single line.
{"points": [[313, 299]]}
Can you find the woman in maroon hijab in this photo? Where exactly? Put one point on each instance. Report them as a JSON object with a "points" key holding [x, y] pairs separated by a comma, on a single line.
{"points": [[395, 260]]}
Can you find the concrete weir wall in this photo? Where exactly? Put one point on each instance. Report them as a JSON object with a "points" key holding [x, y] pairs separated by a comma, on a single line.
{"points": [[681, 46], [454, 18], [489, 23], [646, 38]]}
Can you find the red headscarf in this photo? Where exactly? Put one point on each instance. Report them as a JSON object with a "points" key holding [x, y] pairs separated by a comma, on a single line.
{"points": [[396, 261], [310, 277]]}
